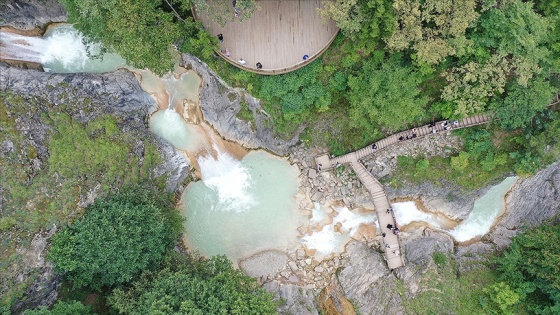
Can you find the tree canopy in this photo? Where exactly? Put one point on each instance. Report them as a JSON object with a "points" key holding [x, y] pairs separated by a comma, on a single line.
{"points": [[116, 239], [191, 285], [530, 268], [61, 308], [385, 94]]}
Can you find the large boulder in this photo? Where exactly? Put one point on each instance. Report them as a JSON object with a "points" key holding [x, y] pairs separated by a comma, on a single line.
{"points": [[367, 281], [31, 15]]}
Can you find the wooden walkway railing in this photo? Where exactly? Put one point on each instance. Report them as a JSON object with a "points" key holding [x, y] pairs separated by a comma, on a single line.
{"points": [[393, 251]]}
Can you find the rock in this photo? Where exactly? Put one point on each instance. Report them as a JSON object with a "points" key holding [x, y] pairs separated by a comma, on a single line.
{"points": [[296, 299], [265, 263], [285, 274], [312, 173], [221, 113], [419, 251], [293, 279], [319, 269], [300, 253], [318, 196], [31, 15], [331, 300], [367, 282], [308, 261], [293, 265], [531, 201]]}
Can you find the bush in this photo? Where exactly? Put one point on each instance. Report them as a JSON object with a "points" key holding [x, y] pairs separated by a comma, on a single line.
{"points": [[116, 239]]}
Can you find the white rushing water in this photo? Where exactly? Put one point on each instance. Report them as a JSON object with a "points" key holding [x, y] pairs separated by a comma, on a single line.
{"points": [[485, 211], [169, 125], [242, 207], [60, 50], [332, 237]]}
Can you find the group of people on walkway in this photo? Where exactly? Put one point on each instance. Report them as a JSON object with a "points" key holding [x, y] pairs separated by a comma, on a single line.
{"points": [[241, 61]]}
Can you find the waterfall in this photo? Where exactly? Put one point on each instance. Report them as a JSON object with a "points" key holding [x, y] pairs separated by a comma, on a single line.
{"points": [[62, 50], [229, 179]]}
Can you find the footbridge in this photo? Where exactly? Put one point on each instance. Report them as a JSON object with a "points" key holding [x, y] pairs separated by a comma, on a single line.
{"points": [[393, 250]]}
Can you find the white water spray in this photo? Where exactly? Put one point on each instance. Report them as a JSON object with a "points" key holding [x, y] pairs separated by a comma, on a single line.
{"points": [[62, 49], [229, 178]]}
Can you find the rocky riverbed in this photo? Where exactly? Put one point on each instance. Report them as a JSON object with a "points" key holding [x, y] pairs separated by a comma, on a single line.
{"points": [[359, 273]]}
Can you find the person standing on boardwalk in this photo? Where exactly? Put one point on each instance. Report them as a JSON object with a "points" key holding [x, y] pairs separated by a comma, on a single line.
{"points": [[221, 38], [259, 65], [242, 61]]}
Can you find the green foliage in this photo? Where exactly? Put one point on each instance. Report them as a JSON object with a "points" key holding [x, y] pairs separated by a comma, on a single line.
{"points": [[440, 259], [502, 297], [96, 150], [299, 91], [190, 285], [61, 308], [522, 104], [116, 239], [220, 11], [140, 31], [384, 95], [530, 268], [434, 29]]}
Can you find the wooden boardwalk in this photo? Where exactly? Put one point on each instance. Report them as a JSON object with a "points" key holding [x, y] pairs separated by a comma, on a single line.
{"points": [[393, 249], [277, 35]]}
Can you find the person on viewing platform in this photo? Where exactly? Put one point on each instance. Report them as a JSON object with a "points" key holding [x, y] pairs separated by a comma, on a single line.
{"points": [[259, 65], [242, 61]]}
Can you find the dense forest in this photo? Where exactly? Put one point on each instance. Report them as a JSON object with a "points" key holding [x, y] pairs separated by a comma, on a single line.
{"points": [[394, 65]]}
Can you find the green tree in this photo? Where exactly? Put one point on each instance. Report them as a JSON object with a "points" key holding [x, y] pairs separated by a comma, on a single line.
{"points": [[434, 29], [61, 308], [503, 297], [385, 95], [530, 268], [141, 31], [190, 285], [116, 239], [471, 86], [221, 12], [461, 161]]}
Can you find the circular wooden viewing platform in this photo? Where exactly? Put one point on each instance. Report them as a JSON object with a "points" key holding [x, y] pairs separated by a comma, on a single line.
{"points": [[277, 36]]}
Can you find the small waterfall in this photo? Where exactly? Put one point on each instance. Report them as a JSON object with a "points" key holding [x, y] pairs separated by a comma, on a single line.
{"points": [[62, 50], [479, 222], [332, 237], [229, 178]]}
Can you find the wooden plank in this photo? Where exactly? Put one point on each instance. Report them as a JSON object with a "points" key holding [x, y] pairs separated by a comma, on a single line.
{"points": [[278, 35]]}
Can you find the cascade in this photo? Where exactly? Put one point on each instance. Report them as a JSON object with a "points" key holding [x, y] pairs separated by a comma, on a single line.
{"points": [[61, 49]]}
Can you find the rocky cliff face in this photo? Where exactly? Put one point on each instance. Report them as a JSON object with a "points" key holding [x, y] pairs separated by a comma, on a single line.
{"points": [[532, 201], [31, 16], [220, 111], [84, 97], [117, 93]]}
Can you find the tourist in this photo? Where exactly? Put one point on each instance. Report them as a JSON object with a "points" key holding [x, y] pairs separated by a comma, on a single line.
{"points": [[305, 57], [401, 138], [390, 226], [396, 231], [242, 61], [455, 123], [228, 54], [221, 38], [388, 210], [374, 146], [259, 65], [387, 246], [383, 234]]}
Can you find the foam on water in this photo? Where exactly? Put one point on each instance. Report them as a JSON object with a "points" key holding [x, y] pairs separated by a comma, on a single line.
{"points": [[230, 179], [60, 50], [407, 212], [330, 240], [483, 216], [242, 207], [169, 125], [485, 211]]}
